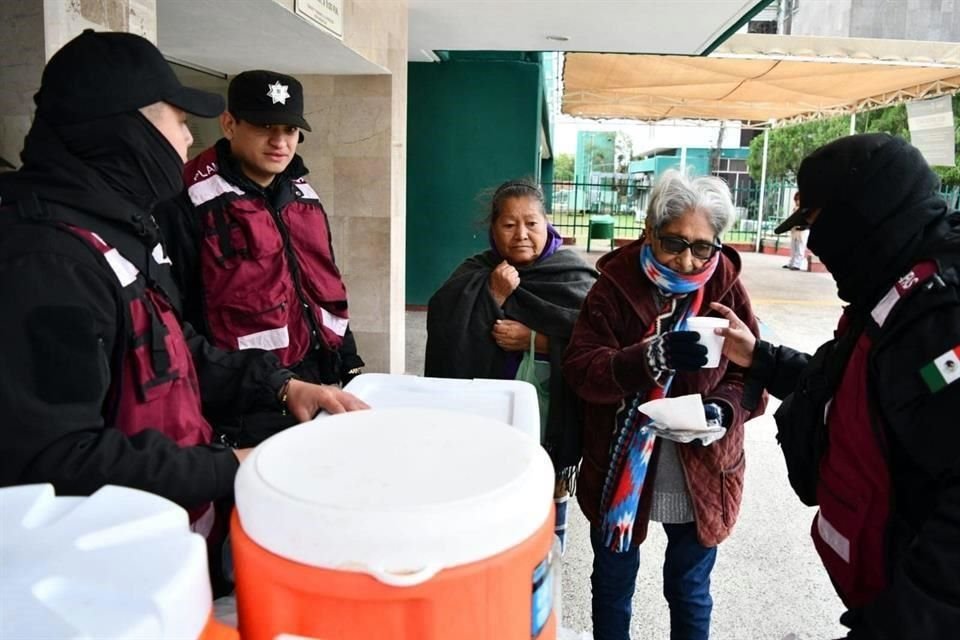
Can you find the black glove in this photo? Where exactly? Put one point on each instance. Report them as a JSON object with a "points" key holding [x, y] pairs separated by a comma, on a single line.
{"points": [[636, 365], [714, 414], [676, 351]]}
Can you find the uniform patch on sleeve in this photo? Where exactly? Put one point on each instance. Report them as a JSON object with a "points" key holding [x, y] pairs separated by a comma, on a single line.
{"points": [[942, 370]]}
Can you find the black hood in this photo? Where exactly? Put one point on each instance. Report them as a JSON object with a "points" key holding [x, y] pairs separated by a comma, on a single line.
{"points": [[116, 168], [881, 211]]}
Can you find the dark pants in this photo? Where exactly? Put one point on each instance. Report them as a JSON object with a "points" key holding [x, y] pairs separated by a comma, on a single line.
{"points": [[686, 585]]}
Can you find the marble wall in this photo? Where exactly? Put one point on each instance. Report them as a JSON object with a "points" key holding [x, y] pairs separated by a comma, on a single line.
{"points": [[357, 160], [21, 31], [33, 30]]}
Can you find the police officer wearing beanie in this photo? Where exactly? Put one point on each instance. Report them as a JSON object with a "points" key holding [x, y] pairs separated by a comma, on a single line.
{"points": [[100, 383], [869, 424], [251, 246]]}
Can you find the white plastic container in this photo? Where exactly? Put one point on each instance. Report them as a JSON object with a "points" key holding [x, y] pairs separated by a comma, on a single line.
{"points": [[454, 488], [119, 564], [704, 325], [510, 401]]}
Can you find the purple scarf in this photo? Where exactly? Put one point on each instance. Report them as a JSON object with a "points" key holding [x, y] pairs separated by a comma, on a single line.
{"points": [[554, 242]]}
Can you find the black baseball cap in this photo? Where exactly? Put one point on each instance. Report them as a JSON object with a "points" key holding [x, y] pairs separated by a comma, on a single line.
{"points": [[267, 97], [796, 219], [840, 170], [100, 74]]}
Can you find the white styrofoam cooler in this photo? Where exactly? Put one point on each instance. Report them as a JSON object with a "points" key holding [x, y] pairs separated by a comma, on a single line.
{"points": [[400, 494], [120, 564], [510, 401]]}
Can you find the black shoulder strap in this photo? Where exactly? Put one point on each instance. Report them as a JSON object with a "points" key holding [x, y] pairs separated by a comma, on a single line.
{"points": [[158, 277], [843, 348]]}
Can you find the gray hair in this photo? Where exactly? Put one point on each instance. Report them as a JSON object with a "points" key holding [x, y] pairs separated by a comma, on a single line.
{"points": [[517, 188], [675, 194]]}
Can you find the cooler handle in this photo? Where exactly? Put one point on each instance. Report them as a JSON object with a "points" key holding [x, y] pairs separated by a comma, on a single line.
{"points": [[406, 579]]}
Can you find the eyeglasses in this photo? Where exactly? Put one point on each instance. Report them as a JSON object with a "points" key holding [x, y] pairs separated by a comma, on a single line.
{"points": [[701, 250]]}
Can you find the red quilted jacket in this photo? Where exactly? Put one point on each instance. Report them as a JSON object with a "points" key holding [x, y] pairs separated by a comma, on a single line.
{"points": [[616, 314]]}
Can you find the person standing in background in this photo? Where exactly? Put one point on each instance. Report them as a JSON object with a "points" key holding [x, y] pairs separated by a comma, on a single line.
{"points": [[798, 242]]}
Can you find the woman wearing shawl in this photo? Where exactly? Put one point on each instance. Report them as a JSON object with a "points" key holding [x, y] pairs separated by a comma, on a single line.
{"points": [[480, 322], [629, 346]]}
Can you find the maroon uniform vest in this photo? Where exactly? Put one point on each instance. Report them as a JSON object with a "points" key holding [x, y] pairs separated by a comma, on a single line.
{"points": [[850, 531], [269, 278], [157, 387]]}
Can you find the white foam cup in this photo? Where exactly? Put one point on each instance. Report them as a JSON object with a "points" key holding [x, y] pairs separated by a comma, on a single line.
{"points": [[705, 325]]}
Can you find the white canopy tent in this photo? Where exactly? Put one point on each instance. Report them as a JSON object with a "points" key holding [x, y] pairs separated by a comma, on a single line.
{"points": [[763, 80], [758, 78]]}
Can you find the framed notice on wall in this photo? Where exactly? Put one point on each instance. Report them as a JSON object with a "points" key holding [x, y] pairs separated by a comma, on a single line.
{"points": [[324, 13]]}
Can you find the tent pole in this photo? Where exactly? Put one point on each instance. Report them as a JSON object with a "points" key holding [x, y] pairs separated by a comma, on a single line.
{"points": [[853, 122], [763, 184]]}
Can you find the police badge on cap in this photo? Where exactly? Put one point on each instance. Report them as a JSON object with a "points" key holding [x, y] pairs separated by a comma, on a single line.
{"points": [[267, 97]]}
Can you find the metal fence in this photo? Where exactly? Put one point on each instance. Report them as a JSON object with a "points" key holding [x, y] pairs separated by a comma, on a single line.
{"points": [[571, 206]]}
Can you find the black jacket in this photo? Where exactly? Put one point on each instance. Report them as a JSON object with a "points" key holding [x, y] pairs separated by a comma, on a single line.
{"points": [[922, 432], [181, 230], [62, 322]]}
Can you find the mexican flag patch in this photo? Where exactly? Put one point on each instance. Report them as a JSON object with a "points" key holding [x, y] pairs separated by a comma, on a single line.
{"points": [[943, 370]]}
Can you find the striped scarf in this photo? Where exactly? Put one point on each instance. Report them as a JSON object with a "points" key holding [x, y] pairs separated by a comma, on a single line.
{"points": [[672, 282], [633, 445]]}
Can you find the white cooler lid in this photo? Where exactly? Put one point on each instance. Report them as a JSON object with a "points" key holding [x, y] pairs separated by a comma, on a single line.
{"points": [[510, 401], [121, 563], [397, 493]]}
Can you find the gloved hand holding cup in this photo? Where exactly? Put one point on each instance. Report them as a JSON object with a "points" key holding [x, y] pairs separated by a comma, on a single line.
{"points": [[675, 351]]}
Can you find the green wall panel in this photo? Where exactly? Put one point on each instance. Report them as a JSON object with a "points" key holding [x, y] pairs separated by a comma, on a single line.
{"points": [[470, 126]]}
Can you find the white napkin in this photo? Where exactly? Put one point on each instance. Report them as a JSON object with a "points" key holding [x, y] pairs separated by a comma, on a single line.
{"points": [[681, 419]]}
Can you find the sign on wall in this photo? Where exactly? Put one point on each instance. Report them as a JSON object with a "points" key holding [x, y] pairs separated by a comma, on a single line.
{"points": [[931, 129], [325, 13]]}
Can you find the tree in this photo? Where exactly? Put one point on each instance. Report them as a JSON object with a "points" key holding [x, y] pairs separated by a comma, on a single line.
{"points": [[787, 146], [623, 146], [563, 167]]}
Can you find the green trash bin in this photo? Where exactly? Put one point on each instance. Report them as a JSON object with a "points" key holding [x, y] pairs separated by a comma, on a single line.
{"points": [[600, 228]]}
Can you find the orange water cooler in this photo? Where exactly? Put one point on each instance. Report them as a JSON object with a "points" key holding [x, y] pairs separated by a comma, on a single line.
{"points": [[120, 564], [416, 524]]}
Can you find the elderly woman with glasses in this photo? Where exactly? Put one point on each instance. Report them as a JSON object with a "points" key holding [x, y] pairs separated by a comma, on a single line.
{"points": [[629, 346]]}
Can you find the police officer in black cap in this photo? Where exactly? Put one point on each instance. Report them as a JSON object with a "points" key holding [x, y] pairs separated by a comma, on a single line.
{"points": [[869, 424], [99, 381], [252, 249]]}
